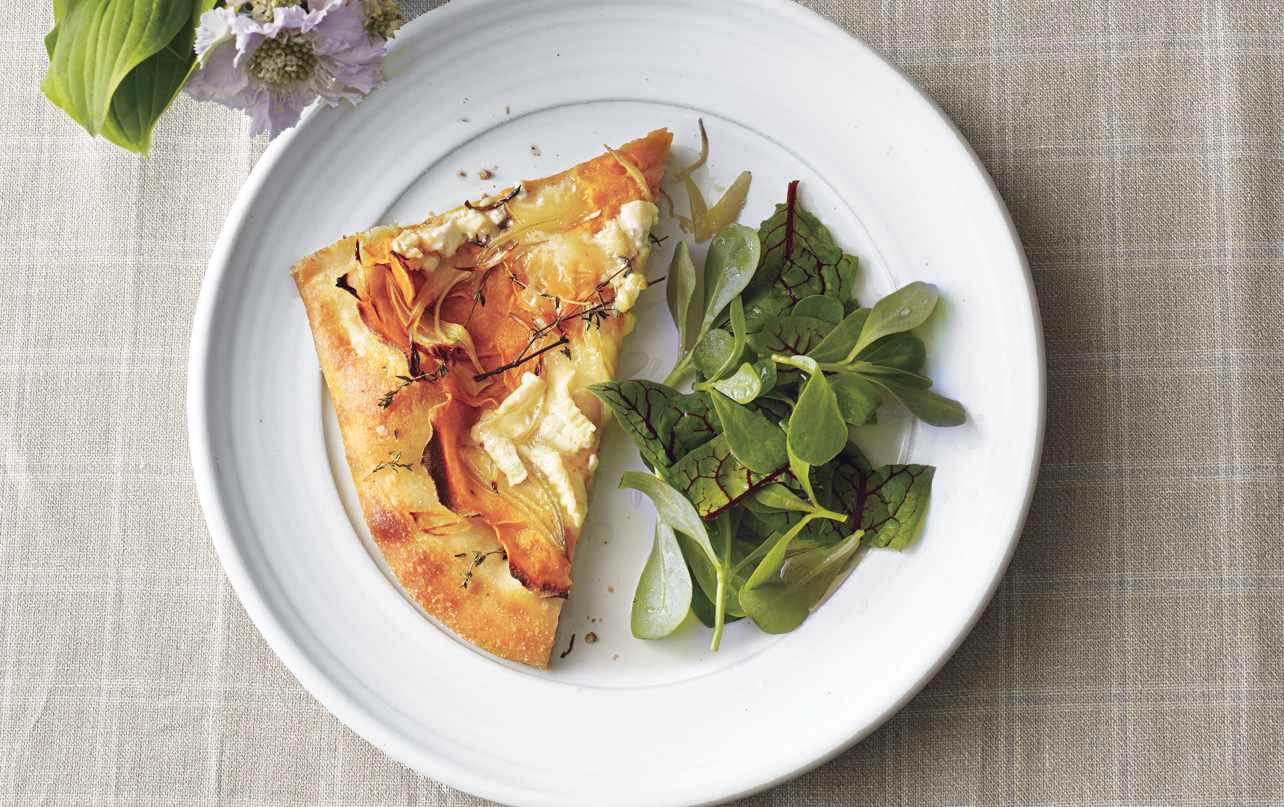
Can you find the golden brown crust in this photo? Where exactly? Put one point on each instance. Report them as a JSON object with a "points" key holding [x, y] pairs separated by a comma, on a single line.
{"points": [[493, 611]]}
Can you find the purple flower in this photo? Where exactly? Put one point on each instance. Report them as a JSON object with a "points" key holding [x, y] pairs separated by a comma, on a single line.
{"points": [[273, 58]]}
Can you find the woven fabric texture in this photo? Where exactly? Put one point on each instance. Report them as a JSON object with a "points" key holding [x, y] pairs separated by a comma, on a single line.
{"points": [[1134, 653]]}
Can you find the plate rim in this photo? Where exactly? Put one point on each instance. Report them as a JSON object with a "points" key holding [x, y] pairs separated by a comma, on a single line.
{"points": [[298, 661]]}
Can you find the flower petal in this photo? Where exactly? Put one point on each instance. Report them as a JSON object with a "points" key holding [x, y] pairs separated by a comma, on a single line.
{"points": [[278, 112], [215, 29], [218, 79]]}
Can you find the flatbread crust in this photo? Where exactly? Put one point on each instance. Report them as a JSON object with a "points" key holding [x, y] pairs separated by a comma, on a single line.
{"points": [[454, 568]]}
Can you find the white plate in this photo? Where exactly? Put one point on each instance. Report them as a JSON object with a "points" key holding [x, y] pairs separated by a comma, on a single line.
{"points": [[477, 84]]}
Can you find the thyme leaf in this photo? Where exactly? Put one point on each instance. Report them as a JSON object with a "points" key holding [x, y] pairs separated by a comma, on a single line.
{"points": [[415, 373], [393, 463], [478, 559]]}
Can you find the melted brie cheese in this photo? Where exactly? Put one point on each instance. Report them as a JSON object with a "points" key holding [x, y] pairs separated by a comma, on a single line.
{"points": [[445, 234], [539, 427]]}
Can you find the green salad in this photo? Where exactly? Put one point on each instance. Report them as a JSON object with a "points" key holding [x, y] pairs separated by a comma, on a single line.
{"points": [[763, 500]]}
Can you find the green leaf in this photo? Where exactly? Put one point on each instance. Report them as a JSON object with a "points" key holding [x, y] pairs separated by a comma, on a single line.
{"points": [[903, 351], [799, 259], [670, 505], [801, 469], [675, 510], [895, 375], [713, 350], [663, 594], [684, 290], [714, 480], [785, 586], [904, 309], [857, 398], [728, 268], [704, 611], [749, 555], [150, 88], [775, 405], [819, 531], [838, 343], [895, 504], [817, 431], [697, 424], [789, 335], [750, 381], [845, 486], [758, 443], [807, 363], [780, 497], [927, 406], [737, 341], [725, 546], [820, 306], [647, 412], [98, 44]]}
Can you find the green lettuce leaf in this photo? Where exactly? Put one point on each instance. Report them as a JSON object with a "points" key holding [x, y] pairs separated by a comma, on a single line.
{"points": [[895, 503], [714, 480], [647, 412], [799, 259]]}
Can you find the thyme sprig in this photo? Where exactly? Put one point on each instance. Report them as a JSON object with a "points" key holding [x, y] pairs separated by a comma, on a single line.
{"points": [[415, 373], [478, 559], [393, 463], [591, 315]]}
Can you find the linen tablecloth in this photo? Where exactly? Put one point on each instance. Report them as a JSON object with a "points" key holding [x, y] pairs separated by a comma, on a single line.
{"points": [[1134, 653]]}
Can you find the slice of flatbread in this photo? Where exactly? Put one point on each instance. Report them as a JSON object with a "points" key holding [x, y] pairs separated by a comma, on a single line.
{"points": [[458, 353]]}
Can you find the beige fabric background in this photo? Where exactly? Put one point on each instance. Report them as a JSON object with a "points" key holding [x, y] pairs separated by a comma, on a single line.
{"points": [[1134, 653]]}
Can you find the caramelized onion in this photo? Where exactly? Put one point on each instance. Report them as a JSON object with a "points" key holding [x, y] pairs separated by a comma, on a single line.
{"points": [[644, 188]]}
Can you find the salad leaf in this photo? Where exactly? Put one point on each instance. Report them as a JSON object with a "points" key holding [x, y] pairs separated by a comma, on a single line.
{"points": [[779, 497], [799, 259], [838, 343], [750, 381], [817, 431], [801, 470], [820, 306], [670, 506], [789, 335], [927, 406], [895, 504], [857, 398], [728, 268], [674, 509], [737, 341], [715, 349], [774, 405], [697, 424], [904, 309], [714, 480], [684, 291], [746, 559], [704, 611], [758, 443], [714, 580], [663, 594], [904, 351], [647, 412], [883, 372], [784, 587]]}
